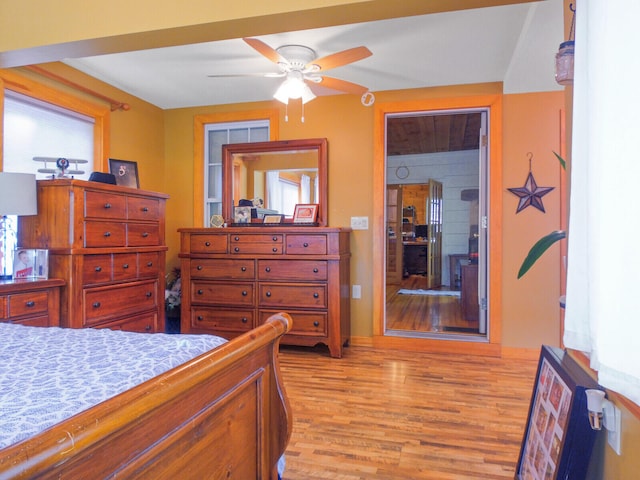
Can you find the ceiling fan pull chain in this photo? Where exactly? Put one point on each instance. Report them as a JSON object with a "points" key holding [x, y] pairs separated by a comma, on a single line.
{"points": [[302, 116], [286, 112]]}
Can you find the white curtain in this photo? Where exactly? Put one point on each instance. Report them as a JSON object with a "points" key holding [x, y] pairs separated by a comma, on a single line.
{"points": [[274, 195], [602, 314], [305, 189]]}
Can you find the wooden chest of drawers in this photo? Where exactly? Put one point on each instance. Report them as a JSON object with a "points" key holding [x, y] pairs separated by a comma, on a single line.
{"points": [[234, 278], [108, 243], [31, 302]]}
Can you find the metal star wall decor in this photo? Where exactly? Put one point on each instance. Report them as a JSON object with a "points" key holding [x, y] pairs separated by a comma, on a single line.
{"points": [[530, 194]]}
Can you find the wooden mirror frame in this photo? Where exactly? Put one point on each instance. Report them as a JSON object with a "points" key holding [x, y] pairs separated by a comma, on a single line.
{"points": [[255, 148]]}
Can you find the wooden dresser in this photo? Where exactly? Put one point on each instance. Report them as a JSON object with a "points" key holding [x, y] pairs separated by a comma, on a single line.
{"points": [[234, 278], [31, 302], [107, 242]]}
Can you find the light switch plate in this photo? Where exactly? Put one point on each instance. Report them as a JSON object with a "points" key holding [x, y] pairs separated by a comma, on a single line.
{"points": [[360, 223], [356, 291]]}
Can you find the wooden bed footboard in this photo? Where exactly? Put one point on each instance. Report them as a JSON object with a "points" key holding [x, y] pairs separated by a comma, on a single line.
{"points": [[222, 415]]}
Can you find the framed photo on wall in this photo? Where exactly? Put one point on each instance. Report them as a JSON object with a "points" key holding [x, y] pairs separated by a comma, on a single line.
{"points": [[305, 213], [125, 171], [558, 438]]}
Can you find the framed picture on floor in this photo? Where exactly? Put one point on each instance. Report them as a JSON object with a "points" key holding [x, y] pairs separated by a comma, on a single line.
{"points": [[558, 438]]}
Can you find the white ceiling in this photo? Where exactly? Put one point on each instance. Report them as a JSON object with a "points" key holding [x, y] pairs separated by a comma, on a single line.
{"points": [[515, 44]]}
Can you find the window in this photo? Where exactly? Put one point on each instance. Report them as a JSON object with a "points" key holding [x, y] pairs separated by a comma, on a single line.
{"points": [[215, 136], [37, 129]]}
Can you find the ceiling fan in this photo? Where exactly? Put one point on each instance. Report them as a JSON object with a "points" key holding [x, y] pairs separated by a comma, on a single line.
{"points": [[302, 70]]}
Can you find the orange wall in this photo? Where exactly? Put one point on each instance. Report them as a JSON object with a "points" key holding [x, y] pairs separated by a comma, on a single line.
{"points": [[530, 124], [531, 313]]}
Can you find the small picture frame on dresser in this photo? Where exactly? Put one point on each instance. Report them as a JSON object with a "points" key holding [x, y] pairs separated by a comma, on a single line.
{"points": [[242, 215], [305, 213], [29, 263], [272, 219], [125, 171]]}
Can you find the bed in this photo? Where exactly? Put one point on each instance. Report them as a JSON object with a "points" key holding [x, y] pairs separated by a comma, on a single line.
{"points": [[222, 414]]}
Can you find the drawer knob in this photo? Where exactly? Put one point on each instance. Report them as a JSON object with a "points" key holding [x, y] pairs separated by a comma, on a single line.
{"points": [[275, 249], [275, 239], [30, 303], [305, 244], [315, 295], [145, 235], [245, 319], [149, 294], [268, 294], [126, 265], [199, 267], [149, 264], [98, 269], [147, 328], [245, 293], [316, 323], [145, 209], [200, 292], [107, 205], [96, 304], [268, 269], [207, 244], [237, 249], [315, 270], [107, 234], [243, 269], [199, 317], [236, 239]]}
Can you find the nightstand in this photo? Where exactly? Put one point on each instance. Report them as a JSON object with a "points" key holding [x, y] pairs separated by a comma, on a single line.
{"points": [[31, 302]]}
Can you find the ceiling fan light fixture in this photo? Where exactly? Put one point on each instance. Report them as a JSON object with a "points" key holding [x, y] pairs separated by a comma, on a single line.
{"points": [[293, 88]]}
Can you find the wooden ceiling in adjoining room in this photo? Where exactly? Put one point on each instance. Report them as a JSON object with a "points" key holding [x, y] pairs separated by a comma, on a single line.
{"points": [[432, 133]]}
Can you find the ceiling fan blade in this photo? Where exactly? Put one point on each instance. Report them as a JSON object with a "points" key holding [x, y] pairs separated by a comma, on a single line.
{"points": [[265, 50], [342, 85], [340, 58], [264, 75]]}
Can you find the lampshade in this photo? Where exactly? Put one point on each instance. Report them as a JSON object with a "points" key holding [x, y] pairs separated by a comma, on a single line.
{"points": [[18, 194], [294, 88]]}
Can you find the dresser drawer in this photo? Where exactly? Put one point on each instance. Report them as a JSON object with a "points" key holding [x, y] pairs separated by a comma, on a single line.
{"points": [[256, 238], [257, 248], [306, 244], [3, 308], [104, 205], [209, 293], [218, 321], [104, 234], [309, 270], [297, 295], [143, 234], [96, 269], [137, 323], [139, 208], [208, 243], [148, 264], [222, 269], [107, 302], [304, 323], [39, 321], [27, 303], [125, 266]]}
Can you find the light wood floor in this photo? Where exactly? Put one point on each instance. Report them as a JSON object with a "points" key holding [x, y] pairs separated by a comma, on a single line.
{"points": [[383, 414], [422, 313]]}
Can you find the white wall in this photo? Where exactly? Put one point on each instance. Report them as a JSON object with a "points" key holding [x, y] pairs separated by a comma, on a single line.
{"points": [[456, 171]]}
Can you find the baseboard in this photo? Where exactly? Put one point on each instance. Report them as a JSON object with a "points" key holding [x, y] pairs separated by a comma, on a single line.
{"points": [[516, 353], [361, 341]]}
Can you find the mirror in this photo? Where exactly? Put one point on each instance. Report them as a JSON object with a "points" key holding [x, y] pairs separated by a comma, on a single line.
{"points": [[275, 176]]}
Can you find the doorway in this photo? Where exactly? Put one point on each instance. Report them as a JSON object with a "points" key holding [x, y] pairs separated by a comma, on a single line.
{"points": [[436, 165]]}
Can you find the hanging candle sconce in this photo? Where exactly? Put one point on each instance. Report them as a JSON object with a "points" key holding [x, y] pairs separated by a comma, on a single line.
{"points": [[564, 57]]}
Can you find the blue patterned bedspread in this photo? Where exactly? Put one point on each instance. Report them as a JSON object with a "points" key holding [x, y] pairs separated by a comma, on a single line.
{"points": [[49, 374]]}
